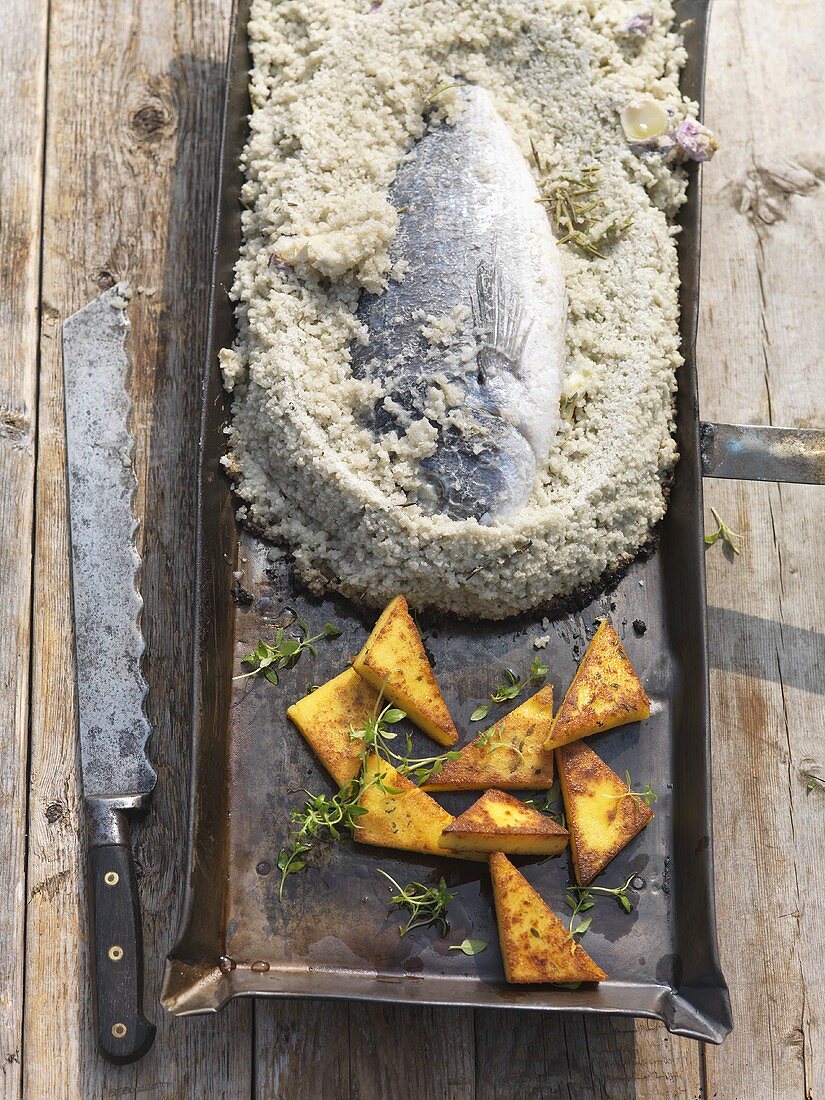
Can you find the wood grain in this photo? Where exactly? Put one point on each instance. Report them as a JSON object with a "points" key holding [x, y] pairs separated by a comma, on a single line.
{"points": [[129, 194], [573, 1057], [130, 162], [22, 107], [761, 341]]}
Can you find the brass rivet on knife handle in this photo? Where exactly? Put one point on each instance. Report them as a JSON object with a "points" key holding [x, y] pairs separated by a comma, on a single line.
{"points": [[115, 952], [111, 878], [119, 1030]]}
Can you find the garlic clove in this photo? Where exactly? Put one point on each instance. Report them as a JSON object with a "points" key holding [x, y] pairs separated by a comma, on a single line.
{"points": [[643, 120]]}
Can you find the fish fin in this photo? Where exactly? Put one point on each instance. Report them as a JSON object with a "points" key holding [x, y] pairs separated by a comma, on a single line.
{"points": [[498, 313]]}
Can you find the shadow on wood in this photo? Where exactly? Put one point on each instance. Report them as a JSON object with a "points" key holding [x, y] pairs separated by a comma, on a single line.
{"points": [[766, 649]]}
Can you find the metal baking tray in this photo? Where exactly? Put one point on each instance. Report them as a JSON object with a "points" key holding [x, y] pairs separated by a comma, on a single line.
{"points": [[333, 935]]}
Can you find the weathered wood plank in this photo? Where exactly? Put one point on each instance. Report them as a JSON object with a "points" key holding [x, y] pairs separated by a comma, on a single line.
{"points": [[573, 1057], [410, 1053], [761, 337], [762, 340], [133, 105], [22, 108], [302, 1050]]}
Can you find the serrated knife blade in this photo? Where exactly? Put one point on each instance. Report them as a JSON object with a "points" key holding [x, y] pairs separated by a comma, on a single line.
{"points": [[116, 773]]}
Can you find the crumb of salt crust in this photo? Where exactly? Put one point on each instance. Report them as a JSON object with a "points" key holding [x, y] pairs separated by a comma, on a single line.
{"points": [[541, 643], [347, 86]]}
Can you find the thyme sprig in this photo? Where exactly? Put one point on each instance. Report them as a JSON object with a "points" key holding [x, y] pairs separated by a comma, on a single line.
{"points": [[375, 737], [647, 796], [549, 805], [577, 927], [580, 900], [426, 904], [325, 817], [271, 657], [620, 893], [493, 739], [512, 687], [723, 532]]}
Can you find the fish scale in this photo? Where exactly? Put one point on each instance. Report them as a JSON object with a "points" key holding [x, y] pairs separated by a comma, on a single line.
{"points": [[470, 235]]}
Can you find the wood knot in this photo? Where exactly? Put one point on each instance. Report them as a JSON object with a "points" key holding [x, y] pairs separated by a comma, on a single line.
{"points": [[105, 279], [149, 121], [766, 192], [54, 812], [14, 426]]}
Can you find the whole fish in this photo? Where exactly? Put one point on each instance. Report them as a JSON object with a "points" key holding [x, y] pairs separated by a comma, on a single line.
{"points": [[472, 338]]}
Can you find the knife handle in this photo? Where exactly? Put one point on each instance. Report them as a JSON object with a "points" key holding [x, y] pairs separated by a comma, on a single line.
{"points": [[123, 1032]]}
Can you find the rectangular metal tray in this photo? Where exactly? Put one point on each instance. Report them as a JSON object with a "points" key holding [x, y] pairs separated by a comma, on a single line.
{"points": [[332, 936]]}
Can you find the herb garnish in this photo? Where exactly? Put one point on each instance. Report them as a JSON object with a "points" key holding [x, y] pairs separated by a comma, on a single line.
{"points": [[618, 892], [578, 927], [579, 215], [580, 899], [493, 739], [647, 796], [323, 818], [375, 735], [550, 805], [426, 904], [723, 532], [813, 781], [283, 652], [469, 947], [511, 689]]}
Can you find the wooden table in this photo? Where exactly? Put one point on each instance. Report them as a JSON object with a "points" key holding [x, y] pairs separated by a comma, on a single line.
{"points": [[109, 139]]}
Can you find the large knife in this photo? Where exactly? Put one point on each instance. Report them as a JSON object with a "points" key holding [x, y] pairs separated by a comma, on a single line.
{"points": [[117, 776]]}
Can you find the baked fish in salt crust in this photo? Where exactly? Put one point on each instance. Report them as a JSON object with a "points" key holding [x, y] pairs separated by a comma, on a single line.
{"points": [[473, 337]]}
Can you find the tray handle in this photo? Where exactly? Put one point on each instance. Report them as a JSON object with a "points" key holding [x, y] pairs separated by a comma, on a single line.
{"points": [[755, 452]]}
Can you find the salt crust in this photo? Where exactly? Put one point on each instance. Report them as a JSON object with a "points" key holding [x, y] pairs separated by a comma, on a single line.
{"points": [[339, 93]]}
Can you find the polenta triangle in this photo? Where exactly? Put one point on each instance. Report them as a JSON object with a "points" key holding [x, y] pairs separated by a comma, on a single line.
{"points": [[399, 814], [394, 659], [605, 692], [497, 822], [535, 945], [325, 718], [509, 755], [603, 814]]}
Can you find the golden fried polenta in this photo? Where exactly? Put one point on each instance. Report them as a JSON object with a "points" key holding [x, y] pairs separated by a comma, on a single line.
{"points": [[401, 815], [510, 755], [325, 718], [394, 659], [603, 814], [497, 822], [535, 945], [605, 692]]}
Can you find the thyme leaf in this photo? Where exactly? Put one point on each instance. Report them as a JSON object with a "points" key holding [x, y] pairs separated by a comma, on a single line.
{"points": [[620, 893], [723, 532], [493, 739], [469, 947], [813, 782]]}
